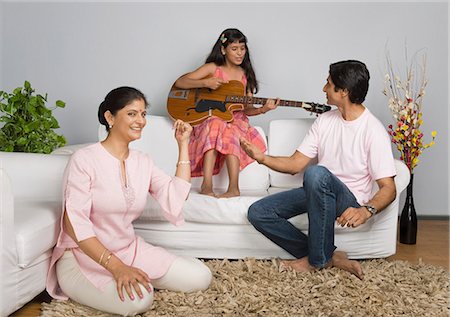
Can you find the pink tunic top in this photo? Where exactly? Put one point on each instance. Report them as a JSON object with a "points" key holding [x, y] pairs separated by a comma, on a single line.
{"points": [[215, 133], [100, 205]]}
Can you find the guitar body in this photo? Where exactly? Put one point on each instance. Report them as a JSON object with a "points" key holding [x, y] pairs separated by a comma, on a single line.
{"points": [[198, 104]]}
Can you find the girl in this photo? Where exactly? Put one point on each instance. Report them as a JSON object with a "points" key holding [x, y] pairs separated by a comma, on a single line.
{"points": [[215, 141]]}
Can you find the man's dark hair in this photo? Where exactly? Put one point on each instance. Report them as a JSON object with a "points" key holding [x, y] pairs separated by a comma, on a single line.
{"points": [[353, 76]]}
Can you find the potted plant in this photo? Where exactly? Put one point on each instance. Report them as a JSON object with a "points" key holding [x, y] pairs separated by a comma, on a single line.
{"points": [[27, 123], [405, 95]]}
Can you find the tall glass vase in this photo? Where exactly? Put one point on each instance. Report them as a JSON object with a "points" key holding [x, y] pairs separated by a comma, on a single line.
{"points": [[408, 218]]}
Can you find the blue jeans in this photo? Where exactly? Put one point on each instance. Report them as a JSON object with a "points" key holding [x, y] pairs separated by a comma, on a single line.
{"points": [[323, 196]]}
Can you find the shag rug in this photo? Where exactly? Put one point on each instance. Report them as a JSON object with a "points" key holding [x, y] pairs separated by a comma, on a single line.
{"points": [[252, 287]]}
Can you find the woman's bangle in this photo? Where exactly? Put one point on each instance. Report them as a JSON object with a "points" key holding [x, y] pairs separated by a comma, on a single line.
{"points": [[107, 260], [183, 163], [101, 257]]}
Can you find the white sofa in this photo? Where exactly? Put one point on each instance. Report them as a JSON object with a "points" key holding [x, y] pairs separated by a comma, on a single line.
{"points": [[30, 208]]}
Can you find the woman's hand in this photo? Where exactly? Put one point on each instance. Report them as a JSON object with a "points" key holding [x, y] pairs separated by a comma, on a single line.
{"points": [[129, 277], [183, 131], [252, 150], [124, 275]]}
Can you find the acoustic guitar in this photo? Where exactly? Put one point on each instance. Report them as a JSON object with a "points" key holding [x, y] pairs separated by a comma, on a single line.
{"points": [[198, 104]]}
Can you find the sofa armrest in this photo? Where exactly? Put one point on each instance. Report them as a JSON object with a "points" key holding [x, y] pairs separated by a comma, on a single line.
{"points": [[34, 176], [403, 176], [8, 257]]}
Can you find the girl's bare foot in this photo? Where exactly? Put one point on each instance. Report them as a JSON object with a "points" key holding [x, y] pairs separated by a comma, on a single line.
{"points": [[212, 194], [341, 261], [230, 193], [204, 190], [299, 265]]}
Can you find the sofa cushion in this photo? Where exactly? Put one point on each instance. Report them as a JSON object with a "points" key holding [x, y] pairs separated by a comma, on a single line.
{"points": [[206, 209], [230, 211], [70, 149], [36, 228], [285, 135]]}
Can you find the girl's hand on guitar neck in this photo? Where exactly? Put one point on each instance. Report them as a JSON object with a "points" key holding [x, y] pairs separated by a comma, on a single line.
{"points": [[270, 105], [213, 82]]}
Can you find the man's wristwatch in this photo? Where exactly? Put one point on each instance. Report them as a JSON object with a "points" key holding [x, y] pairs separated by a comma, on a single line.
{"points": [[371, 209]]}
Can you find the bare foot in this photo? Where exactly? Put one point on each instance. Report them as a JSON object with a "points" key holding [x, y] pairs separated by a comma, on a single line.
{"points": [[341, 261], [212, 194], [299, 265], [207, 191], [230, 193]]}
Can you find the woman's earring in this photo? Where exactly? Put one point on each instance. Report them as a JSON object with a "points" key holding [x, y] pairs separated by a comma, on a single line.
{"points": [[110, 126]]}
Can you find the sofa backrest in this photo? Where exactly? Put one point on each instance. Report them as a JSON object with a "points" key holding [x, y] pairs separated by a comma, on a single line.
{"points": [[158, 140], [285, 135], [34, 176]]}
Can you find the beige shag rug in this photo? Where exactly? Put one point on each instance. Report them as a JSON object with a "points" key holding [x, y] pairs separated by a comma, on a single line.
{"points": [[260, 288]]}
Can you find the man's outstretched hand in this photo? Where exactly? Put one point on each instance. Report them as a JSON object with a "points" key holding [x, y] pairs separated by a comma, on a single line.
{"points": [[252, 150]]}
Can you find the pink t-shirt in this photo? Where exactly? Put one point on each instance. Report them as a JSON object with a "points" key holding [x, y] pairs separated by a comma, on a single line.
{"points": [[357, 152], [99, 205]]}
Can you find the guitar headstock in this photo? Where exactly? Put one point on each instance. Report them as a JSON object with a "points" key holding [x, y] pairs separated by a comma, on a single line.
{"points": [[316, 107]]}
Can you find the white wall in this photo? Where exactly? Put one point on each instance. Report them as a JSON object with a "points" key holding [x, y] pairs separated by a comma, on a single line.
{"points": [[78, 52], [1, 46]]}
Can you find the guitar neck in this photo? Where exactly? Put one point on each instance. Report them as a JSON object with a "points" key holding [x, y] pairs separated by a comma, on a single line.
{"points": [[310, 106]]}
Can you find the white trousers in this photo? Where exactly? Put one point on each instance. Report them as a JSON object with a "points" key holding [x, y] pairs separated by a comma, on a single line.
{"points": [[184, 275]]}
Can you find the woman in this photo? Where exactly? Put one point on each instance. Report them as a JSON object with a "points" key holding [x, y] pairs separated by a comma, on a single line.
{"points": [[98, 260]]}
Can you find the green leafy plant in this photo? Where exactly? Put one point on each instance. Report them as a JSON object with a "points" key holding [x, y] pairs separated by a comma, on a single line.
{"points": [[28, 123]]}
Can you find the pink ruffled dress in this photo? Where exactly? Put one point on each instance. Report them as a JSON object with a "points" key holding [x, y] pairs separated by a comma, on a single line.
{"points": [[215, 133]]}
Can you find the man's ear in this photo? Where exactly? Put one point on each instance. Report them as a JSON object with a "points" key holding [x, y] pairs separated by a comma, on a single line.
{"points": [[344, 93]]}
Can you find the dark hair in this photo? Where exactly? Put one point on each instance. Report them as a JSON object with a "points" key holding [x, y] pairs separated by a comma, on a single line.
{"points": [[117, 99], [353, 76], [227, 37]]}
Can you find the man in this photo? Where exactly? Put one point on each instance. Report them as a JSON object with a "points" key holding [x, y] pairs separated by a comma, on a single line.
{"points": [[353, 149]]}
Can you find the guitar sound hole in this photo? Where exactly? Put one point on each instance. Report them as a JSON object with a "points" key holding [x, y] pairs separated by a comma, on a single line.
{"points": [[206, 105]]}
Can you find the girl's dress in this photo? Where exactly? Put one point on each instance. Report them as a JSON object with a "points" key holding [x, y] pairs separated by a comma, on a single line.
{"points": [[215, 133], [98, 204]]}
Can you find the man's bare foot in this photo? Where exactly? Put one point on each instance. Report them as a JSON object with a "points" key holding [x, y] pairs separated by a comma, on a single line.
{"points": [[230, 193], [299, 265], [341, 261]]}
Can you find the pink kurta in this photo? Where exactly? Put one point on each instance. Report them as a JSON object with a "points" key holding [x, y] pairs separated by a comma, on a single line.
{"points": [[99, 205], [215, 133]]}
